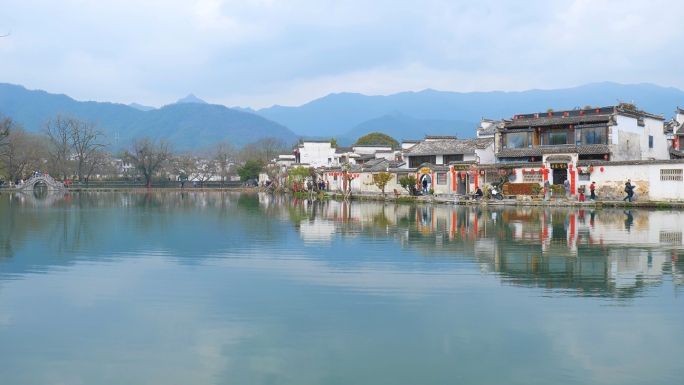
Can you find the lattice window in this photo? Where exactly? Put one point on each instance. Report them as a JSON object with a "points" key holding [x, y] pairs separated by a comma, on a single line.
{"points": [[492, 177], [401, 175], [441, 178], [584, 177], [671, 174], [529, 177], [671, 237]]}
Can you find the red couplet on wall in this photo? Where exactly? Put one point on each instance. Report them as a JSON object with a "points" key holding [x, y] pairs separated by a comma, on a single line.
{"points": [[453, 179], [572, 183]]}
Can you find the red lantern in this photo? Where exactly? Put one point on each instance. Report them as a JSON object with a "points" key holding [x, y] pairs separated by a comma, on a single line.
{"points": [[503, 172], [570, 166], [523, 170], [550, 113], [565, 114], [532, 171], [601, 169], [597, 111], [581, 112], [513, 172], [482, 172], [535, 115], [605, 157], [515, 117], [591, 169], [543, 166]]}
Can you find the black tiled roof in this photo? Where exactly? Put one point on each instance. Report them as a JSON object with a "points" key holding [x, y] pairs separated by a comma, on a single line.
{"points": [[556, 120], [541, 150], [676, 154], [595, 163], [449, 146], [490, 130]]}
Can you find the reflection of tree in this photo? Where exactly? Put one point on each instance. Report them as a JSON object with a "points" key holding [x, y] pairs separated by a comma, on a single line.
{"points": [[555, 250]]}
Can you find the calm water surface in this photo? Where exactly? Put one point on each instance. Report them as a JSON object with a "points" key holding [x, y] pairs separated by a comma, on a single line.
{"points": [[249, 289]]}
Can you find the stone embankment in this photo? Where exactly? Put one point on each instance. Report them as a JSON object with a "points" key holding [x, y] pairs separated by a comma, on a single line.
{"points": [[515, 202]]}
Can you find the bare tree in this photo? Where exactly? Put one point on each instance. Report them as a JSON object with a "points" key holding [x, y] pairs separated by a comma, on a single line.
{"points": [[222, 153], [59, 131], [149, 155], [206, 167], [269, 148], [7, 124], [274, 172], [87, 140], [98, 162], [21, 155], [263, 150], [184, 165]]}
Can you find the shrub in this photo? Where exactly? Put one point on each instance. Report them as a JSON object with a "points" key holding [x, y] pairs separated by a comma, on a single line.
{"points": [[521, 188]]}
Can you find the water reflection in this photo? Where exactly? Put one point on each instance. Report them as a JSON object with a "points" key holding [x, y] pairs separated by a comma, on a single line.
{"points": [[246, 288], [604, 253]]}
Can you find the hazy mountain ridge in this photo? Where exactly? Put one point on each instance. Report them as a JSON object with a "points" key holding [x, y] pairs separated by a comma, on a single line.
{"points": [[188, 125], [335, 114], [191, 99], [400, 126], [141, 107]]}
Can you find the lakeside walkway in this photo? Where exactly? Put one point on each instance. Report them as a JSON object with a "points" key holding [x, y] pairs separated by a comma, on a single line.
{"points": [[389, 197]]}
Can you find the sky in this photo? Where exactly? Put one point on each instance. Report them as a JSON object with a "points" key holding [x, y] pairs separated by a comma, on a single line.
{"points": [[257, 53]]}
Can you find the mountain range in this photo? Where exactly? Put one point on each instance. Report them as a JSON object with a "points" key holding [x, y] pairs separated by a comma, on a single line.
{"points": [[187, 124], [191, 122], [336, 114]]}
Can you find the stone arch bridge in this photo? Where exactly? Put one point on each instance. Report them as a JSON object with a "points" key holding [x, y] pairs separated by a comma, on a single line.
{"points": [[45, 179]]}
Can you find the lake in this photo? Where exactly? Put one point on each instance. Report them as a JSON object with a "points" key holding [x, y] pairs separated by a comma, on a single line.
{"points": [[229, 288]]}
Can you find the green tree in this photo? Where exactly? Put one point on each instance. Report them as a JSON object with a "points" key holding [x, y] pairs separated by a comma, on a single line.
{"points": [[378, 139], [380, 181], [333, 143], [298, 174], [250, 170], [409, 184]]}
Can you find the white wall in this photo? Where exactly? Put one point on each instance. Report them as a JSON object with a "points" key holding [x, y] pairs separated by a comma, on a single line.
{"points": [[626, 129], [486, 155], [317, 154], [369, 150]]}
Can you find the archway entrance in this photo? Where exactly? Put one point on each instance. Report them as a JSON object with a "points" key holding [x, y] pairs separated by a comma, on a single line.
{"points": [[560, 173], [40, 189]]}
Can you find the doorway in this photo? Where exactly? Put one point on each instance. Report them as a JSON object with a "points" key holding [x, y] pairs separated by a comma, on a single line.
{"points": [[560, 176], [462, 185]]}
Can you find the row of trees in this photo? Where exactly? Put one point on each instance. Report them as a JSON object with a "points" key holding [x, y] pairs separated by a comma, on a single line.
{"points": [[72, 148], [67, 147]]}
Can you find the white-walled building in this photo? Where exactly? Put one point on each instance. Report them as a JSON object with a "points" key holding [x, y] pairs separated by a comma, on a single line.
{"points": [[317, 153], [443, 150]]}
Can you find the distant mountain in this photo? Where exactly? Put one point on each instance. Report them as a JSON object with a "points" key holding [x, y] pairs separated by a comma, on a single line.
{"points": [[400, 126], [141, 107], [188, 125], [336, 114], [248, 109], [191, 99]]}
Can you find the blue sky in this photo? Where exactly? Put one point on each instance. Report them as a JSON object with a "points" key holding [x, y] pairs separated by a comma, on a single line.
{"points": [[262, 52]]}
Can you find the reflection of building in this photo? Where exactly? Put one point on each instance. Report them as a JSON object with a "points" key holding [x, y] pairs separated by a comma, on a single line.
{"points": [[575, 252]]}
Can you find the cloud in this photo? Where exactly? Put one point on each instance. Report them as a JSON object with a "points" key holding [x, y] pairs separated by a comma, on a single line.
{"points": [[258, 53]]}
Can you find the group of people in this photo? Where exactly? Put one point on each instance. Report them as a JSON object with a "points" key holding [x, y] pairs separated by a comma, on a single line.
{"points": [[629, 189]]}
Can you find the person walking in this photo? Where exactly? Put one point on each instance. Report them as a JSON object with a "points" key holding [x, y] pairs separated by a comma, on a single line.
{"points": [[592, 188], [547, 190], [629, 189]]}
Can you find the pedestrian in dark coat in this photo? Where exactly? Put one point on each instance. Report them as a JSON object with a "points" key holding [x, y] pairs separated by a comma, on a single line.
{"points": [[629, 189]]}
